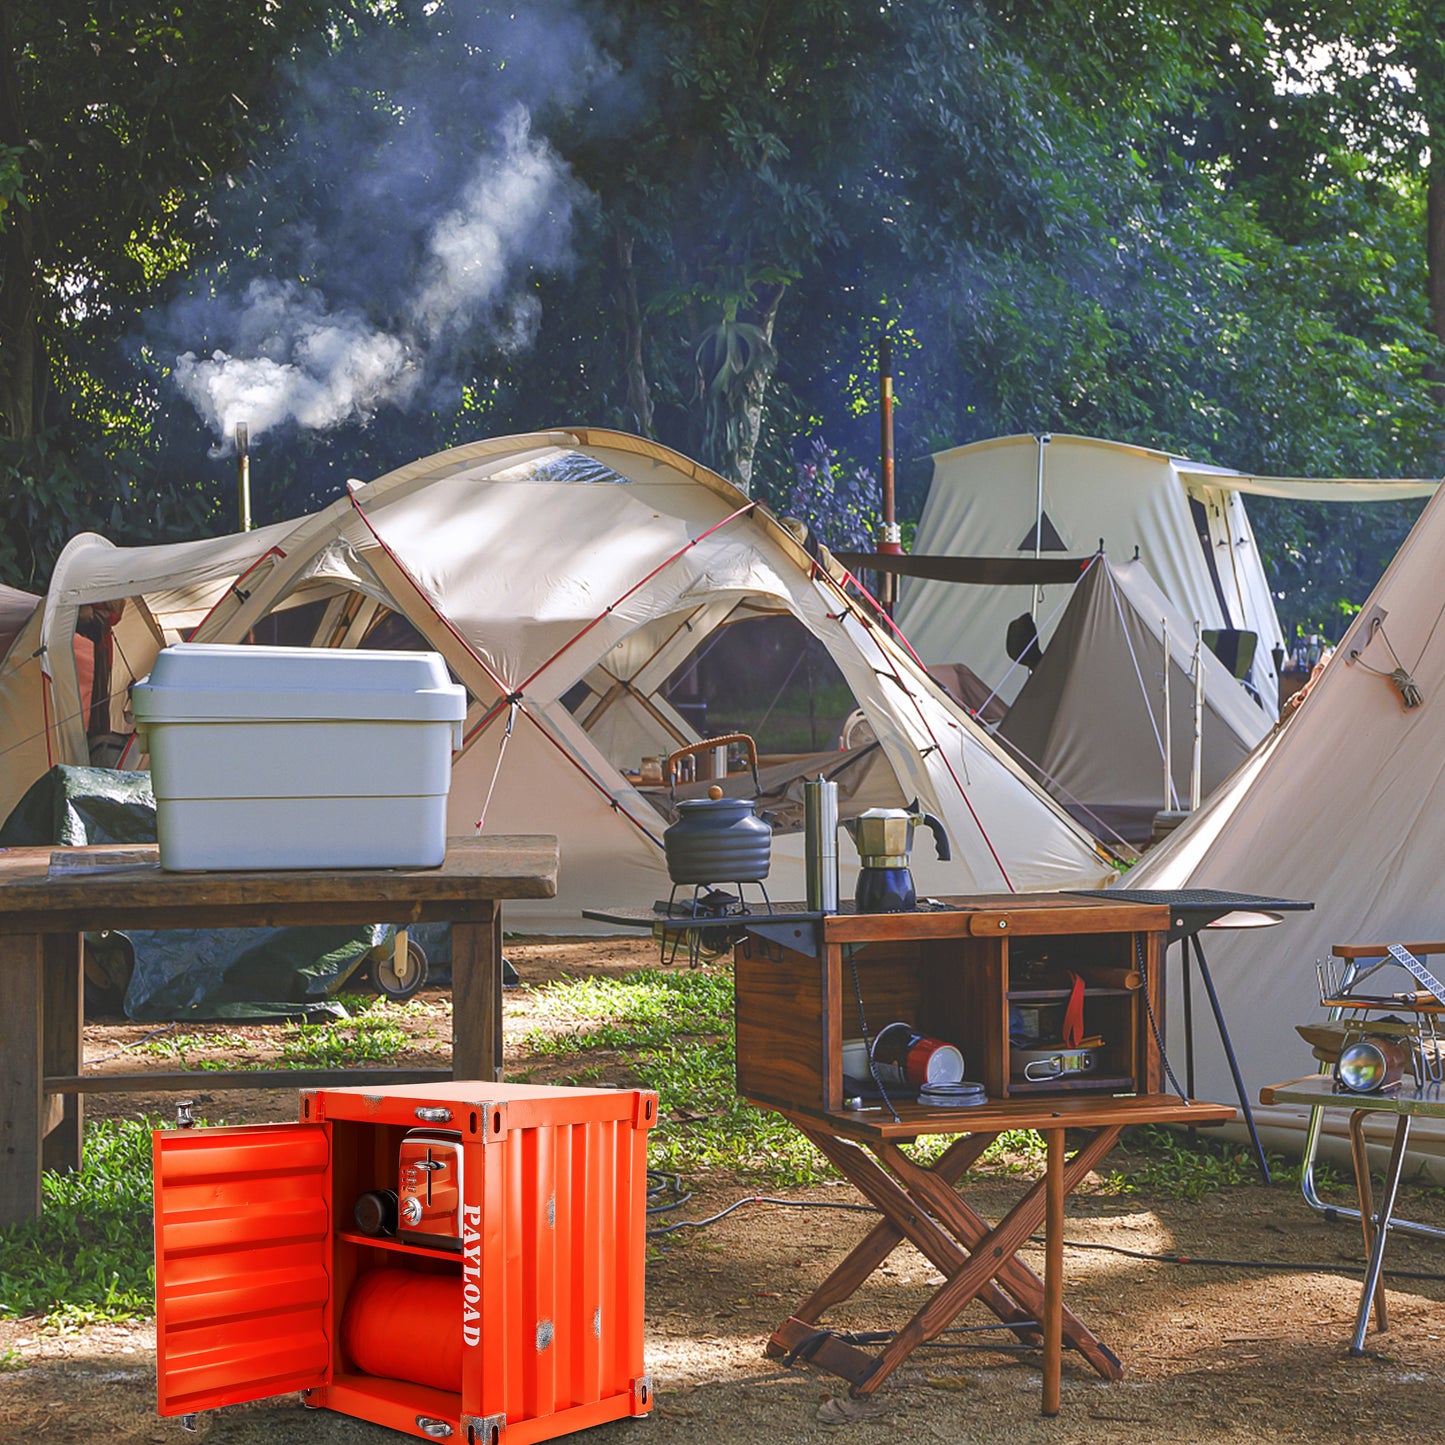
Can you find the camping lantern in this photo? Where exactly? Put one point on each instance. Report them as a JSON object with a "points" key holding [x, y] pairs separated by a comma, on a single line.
{"points": [[1370, 1065]]}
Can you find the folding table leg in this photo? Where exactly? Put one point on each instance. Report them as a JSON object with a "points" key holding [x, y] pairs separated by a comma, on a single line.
{"points": [[1012, 1273], [62, 1048], [914, 1204], [1361, 1160], [1382, 1232]]}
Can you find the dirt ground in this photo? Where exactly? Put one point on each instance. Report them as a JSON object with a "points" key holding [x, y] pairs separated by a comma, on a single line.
{"points": [[1211, 1351]]}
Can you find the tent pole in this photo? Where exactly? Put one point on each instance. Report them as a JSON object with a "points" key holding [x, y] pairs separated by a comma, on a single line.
{"points": [[1168, 731], [1196, 766], [1044, 440]]}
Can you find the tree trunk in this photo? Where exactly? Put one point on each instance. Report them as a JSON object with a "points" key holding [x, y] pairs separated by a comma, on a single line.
{"points": [[624, 293], [750, 397], [19, 273], [1435, 251]]}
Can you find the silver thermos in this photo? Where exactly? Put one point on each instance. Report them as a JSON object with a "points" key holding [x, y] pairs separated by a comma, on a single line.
{"points": [[820, 844]]}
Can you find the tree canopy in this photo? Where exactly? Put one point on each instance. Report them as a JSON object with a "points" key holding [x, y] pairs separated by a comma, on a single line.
{"points": [[369, 229]]}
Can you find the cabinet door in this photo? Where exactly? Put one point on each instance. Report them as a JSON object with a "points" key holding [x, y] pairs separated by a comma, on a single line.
{"points": [[243, 1228]]}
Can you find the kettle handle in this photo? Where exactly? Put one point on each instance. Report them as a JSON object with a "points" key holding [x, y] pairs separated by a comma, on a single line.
{"points": [[934, 826], [707, 745]]}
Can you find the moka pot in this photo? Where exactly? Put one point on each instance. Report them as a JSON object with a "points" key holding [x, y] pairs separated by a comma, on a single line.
{"points": [[884, 839]]}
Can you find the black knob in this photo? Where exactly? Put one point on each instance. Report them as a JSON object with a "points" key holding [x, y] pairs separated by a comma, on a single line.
{"points": [[375, 1212]]}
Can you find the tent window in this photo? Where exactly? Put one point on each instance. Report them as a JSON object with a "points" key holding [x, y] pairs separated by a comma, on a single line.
{"points": [[1052, 541], [768, 677], [570, 467], [289, 626]]}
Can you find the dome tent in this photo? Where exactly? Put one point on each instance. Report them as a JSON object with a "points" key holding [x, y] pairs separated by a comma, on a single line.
{"points": [[566, 576]]}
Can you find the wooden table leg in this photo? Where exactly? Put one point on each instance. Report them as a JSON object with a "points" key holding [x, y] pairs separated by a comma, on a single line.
{"points": [[1013, 1274], [1053, 1272], [477, 998], [1361, 1160], [912, 1203], [22, 1089], [62, 1051]]}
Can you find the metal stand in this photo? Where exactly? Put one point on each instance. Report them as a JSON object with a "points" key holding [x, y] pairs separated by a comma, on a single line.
{"points": [[1188, 942], [1315, 1128], [1193, 910]]}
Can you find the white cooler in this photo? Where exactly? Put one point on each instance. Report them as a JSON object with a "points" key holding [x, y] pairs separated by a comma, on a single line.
{"points": [[299, 757]]}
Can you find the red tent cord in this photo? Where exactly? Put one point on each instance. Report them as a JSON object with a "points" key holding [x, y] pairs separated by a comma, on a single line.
{"points": [[497, 681], [236, 585], [882, 612], [612, 607], [496, 707], [938, 748]]}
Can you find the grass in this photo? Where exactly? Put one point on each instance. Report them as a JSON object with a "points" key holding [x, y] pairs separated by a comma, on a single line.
{"points": [[88, 1257]]}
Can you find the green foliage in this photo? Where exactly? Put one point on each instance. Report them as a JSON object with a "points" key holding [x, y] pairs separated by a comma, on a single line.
{"points": [[12, 180], [376, 1036], [50, 493], [88, 1257]]}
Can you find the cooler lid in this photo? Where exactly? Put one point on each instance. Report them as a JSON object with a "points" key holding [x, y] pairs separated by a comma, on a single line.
{"points": [[199, 681], [243, 1235]]}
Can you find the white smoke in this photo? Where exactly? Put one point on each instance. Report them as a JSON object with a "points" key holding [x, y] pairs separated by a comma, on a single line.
{"points": [[297, 361], [292, 357], [515, 211]]}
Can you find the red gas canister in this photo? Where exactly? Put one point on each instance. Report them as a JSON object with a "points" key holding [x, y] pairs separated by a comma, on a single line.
{"points": [[405, 1325], [907, 1059]]}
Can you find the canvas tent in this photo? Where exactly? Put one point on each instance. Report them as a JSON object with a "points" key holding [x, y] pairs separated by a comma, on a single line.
{"points": [[1343, 805], [1069, 495], [565, 577], [1091, 721]]}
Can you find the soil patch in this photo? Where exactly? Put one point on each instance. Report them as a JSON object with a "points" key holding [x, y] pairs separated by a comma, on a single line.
{"points": [[1247, 1341]]}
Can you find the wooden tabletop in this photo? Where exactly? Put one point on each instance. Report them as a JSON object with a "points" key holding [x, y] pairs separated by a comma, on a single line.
{"points": [[124, 886], [1071, 1111], [1318, 1091]]}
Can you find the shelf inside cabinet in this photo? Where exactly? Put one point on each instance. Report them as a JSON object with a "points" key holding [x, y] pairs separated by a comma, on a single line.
{"points": [[1061, 995], [1070, 1083], [381, 1241]]}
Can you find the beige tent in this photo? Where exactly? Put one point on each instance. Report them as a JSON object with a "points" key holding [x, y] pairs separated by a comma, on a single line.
{"points": [[1342, 805], [1091, 721], [16, 609], [1072, 495], [567, 577]]}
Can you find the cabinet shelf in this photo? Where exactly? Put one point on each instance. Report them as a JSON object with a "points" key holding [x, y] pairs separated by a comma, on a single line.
{"points": [[1109, 1083], [1061, 995], [381, 1241]]}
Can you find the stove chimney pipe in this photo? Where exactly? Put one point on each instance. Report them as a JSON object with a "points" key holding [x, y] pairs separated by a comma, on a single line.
{"points": [[243, 474], [890, 540]]}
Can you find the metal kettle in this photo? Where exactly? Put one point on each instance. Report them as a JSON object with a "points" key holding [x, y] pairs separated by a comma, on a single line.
{"points": [[884, 839]]}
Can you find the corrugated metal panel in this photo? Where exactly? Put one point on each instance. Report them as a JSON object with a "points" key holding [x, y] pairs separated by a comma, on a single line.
{"points": [[242, 1228]]}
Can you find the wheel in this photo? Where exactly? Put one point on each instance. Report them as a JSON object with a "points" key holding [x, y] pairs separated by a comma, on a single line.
{"points": [[394, 986]]}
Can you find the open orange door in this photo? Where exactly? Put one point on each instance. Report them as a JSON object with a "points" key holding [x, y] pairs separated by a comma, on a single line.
{"points": [[243, 1229]]}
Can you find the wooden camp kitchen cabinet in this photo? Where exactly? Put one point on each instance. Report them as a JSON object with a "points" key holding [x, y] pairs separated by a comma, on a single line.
{"points": [[955, 974], [528, 1325]]}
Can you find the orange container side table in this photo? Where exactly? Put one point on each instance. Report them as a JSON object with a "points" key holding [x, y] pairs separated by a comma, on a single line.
{"points": [[257, 1258]]}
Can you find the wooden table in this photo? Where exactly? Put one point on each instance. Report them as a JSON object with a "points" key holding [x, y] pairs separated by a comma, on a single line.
{"points": [[1409, 1101], [922, 1204], [45, 907], [806, 983]]}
